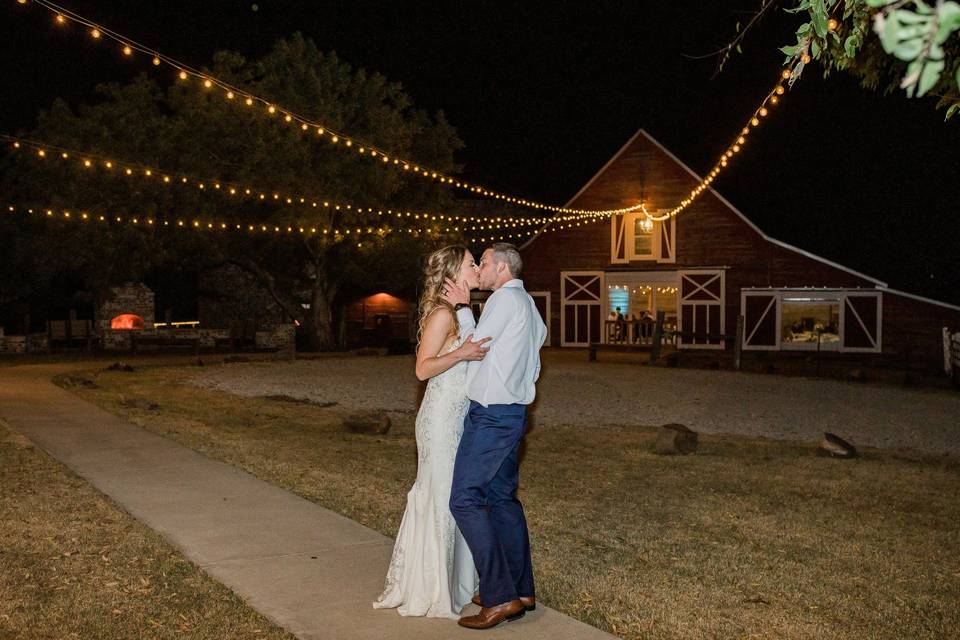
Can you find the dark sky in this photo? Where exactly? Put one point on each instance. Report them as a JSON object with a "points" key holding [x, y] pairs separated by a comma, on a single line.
{"points": [[544, 93]]}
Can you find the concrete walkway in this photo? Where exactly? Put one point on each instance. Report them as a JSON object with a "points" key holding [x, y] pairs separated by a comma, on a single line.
{"points": [[308, 569]]}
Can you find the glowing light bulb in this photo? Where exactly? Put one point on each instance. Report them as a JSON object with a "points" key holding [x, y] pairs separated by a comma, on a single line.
{"points": [[832, 24], [754, 121], [786, 74], [60, 18], [156, 61], [779, 90], [272, 109], [763, 111], [207, 84], [805, 58], [127, 51], [183, 75], [95, 33], [229, 95]]}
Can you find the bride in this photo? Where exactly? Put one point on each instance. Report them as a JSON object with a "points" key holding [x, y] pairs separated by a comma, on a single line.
{"points": [[432, 572]]}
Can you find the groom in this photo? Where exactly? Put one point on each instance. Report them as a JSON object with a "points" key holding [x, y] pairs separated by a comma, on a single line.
{"points": [[483, 498]]}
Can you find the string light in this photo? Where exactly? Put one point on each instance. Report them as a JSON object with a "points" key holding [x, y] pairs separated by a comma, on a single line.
{"points": [[135, 169], [202, 223], [185, 72], [770, 100]]}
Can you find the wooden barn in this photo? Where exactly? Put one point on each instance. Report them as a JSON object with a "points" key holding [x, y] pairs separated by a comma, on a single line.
{"points": [[707, 266]]}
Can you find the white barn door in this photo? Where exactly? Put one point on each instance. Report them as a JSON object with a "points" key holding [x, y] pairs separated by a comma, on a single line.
{"points": [[701, 309], [581, 308], [542, 300]]}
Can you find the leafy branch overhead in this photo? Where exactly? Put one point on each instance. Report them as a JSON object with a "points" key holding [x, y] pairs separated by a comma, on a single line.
{"points": [[916, 47]]}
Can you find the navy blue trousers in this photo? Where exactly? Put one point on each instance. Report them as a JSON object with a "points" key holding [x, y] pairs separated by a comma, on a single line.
{"points": [[484, 502]]}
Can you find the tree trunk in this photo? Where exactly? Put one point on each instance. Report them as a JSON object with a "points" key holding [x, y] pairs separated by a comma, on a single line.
{"points": [[317, 321]]}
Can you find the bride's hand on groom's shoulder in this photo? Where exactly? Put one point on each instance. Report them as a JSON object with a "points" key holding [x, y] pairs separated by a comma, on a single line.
{"points": [[471, 350], [456, 294]]}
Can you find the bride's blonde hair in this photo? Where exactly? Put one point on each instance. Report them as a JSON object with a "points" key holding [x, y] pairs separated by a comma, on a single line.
{"points": [[441, 264]]}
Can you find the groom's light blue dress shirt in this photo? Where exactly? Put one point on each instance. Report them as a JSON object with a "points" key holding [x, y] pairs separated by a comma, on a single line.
{"points": [[509, 371]]}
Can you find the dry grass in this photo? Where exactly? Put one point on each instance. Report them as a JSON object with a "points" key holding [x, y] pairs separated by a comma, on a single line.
{"points": [[73, 565], [749, 538]]}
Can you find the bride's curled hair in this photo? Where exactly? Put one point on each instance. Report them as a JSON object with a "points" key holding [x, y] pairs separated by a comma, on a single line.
{"points": [[441, 264]]}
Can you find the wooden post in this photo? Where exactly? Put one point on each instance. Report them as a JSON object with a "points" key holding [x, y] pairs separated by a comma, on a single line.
{"points": [[26, 333], [168, 318], [657, 337], [738, 344], [947, 355]]}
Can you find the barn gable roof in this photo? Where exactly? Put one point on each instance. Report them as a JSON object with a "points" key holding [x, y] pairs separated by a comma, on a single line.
{"points": [[642, 133]]}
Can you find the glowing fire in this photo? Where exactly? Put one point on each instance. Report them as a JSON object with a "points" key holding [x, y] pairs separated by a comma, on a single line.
{"points": [[127, 321]]}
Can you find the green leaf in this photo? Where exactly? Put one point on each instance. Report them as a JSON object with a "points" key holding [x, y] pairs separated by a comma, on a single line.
{"points": [[949, 18], [929, 76], [789, 51], [879, 3], [739, 50], [952, 110], [815, 49], [804, 28], [850, 46], [902, 35], [820, 24]]}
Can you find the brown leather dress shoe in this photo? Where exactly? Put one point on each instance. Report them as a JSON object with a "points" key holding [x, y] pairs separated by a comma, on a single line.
{"points": [[529, 602], [492, 616]]}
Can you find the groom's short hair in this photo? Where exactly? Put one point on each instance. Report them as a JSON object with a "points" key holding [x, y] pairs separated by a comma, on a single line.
{"points": [[506, 252]]}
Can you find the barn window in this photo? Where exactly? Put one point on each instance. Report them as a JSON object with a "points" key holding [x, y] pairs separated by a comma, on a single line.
{"points": [[642, 237], [807, 321]]}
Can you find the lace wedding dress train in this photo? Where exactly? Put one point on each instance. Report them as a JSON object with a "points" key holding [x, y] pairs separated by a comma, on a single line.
{"points": [[432, 572]]}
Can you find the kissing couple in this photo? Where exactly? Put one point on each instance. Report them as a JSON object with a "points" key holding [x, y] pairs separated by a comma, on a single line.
{"points": [[463, 525]]}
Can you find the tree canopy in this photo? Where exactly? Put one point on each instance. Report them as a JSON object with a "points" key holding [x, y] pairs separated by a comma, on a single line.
{"points": [[191, 130]]}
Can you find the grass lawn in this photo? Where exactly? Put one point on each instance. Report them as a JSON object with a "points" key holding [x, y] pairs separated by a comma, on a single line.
{"points": [[748, 538], [74, 565]]}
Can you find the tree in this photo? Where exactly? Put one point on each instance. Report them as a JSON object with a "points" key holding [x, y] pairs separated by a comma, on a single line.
{"points": [[197, 131], [887, 44]]}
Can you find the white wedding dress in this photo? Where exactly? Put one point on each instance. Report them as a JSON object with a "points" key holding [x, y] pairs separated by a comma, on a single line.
{"points": [[432, 572]]}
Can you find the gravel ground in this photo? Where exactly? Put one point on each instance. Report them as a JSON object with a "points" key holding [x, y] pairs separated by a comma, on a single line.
{"points": [[574, 392]]}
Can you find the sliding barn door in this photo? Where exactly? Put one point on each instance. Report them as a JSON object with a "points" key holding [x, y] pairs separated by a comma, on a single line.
{"points": [[761, 320], [701, 309], [581, 310], [861, 322]]}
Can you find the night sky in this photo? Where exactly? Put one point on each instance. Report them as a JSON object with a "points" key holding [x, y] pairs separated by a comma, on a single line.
{"points": [[544, 94]]}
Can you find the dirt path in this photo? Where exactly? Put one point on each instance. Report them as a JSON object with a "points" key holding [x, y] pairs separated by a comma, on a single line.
{"points": [[574, 392]]}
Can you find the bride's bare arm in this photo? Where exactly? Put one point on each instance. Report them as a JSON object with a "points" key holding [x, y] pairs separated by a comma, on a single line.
{"points": [[430, 362]]}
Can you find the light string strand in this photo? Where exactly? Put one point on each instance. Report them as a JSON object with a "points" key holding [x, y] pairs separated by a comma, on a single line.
{"points": [[91, 160], [231, 92]]}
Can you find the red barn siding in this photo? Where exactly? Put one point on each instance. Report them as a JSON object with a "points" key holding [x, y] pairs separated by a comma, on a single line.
{"points": [[711, 234]]}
